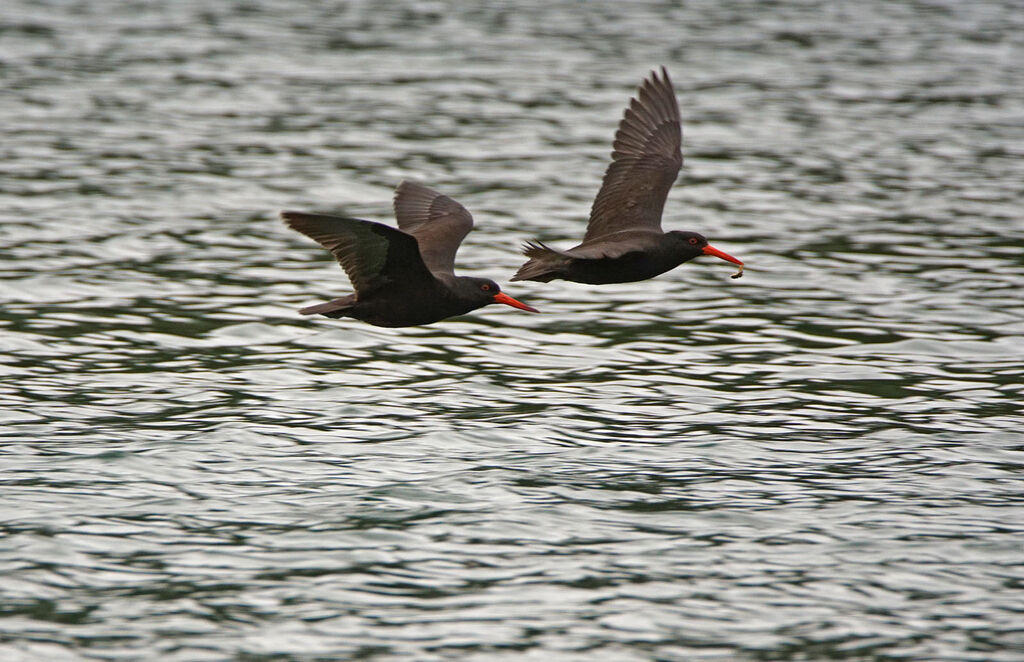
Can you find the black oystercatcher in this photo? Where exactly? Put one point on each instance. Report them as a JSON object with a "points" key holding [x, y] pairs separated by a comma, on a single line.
{"points": [[624, 241], [402, 277]]}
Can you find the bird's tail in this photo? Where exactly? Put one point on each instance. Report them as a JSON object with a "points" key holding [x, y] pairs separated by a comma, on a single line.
{"points": [[545, 264], [335, 308]]}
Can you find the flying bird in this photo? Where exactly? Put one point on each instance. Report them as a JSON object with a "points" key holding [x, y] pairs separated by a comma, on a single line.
{"points": [[624, 241], [404, 276]]}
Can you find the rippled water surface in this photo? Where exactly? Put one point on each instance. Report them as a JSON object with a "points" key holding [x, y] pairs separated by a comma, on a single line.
{"points": [[821, 460]]}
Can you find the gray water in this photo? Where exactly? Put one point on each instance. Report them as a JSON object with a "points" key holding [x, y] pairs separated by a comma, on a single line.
{"points": [[821, 460]]}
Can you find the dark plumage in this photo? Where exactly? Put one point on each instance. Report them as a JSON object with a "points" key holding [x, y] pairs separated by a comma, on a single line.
{"points": [[624, 240], [405, 276]]}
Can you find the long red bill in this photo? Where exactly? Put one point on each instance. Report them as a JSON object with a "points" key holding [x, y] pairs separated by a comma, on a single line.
{"points": [[711, 250], [501, 297]]}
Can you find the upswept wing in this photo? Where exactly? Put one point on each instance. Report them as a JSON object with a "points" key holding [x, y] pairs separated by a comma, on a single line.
{"points": [[646, 157], [438, 223]]}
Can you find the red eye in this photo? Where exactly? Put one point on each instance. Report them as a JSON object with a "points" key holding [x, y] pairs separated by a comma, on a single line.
{"points": [[485, 287], [693, 241]]}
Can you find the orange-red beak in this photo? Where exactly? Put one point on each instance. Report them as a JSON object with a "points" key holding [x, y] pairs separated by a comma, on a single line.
{"points": [[501, 297], [711, 250]]}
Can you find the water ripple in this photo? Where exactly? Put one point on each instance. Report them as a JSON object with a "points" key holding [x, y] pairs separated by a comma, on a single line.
{"points": [[819, 460]]}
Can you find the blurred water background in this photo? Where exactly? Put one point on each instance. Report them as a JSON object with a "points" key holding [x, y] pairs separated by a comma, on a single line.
{"points": [[822, 460]]}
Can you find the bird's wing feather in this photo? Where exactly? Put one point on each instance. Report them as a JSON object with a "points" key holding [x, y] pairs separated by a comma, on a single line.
{"points": [[607, 251], [616, 245], [646, 157], [438, 223], [372, 254]]}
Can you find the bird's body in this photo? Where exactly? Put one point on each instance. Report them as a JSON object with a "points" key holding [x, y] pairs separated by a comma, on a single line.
{"points": [[405, 276], [622, 257], [624, 241], [410, 304]]}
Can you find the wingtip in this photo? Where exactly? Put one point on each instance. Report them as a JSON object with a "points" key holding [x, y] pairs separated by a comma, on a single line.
{"points": [[294, 219], [398, 190], [654, 78], [408, 184], [412, 192]]}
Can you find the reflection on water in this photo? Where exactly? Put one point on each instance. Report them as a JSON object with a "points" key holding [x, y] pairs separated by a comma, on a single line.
{"points": [[819, 460]]}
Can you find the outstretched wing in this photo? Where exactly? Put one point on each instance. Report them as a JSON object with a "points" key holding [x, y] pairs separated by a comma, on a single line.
{"points": [[646, 157], [371, 254], [438, 223]]}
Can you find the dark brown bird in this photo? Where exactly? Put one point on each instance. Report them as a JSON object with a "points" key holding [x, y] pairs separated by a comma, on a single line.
{"points": [[406, 276], [624, 240]]}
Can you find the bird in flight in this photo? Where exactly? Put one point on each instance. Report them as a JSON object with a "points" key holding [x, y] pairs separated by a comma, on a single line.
{"points": [[624, 241], [404, 276]]}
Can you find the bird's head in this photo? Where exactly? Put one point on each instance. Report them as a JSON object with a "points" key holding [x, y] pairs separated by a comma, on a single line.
{"points": [[487, 291], [694, 245]]}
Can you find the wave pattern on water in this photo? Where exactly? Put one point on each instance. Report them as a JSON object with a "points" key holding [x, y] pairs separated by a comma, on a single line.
{"points": [[820, 460]]}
